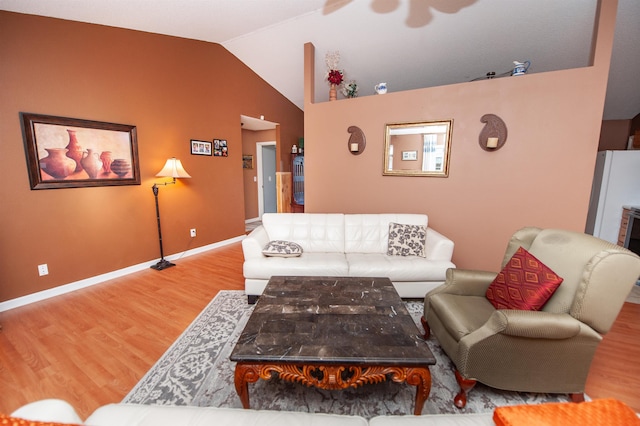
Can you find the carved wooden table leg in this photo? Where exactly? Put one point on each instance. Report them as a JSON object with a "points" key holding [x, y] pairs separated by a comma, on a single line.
{"points": [[427, 329], [245, 374], [577, 397], [421, 378]]}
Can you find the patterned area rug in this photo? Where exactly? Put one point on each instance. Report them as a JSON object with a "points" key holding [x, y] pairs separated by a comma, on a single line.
{"points": [[196, 371]]}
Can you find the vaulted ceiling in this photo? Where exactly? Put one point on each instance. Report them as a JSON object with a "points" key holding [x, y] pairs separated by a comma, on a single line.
{"points": [[408, 44]]}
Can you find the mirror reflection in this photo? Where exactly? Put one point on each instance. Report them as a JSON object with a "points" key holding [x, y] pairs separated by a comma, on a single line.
{"points": [[417, 149]]}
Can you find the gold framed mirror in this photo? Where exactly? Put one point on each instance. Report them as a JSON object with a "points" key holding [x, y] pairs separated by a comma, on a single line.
{"points": [[417, 149]]}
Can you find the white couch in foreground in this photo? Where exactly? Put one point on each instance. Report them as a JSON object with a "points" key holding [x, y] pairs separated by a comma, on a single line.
{"points": [[355, 245], [59, 411], [605, 412]]}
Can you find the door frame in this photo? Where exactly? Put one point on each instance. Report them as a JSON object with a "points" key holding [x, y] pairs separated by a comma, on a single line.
{"points": [[259, 165]]}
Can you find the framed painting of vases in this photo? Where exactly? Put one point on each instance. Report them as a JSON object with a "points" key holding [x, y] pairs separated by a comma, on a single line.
{"points": [[70, 153]]}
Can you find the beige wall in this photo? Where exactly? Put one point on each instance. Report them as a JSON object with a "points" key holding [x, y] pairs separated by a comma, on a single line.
{"points": [[172, 90], [541, 177]]}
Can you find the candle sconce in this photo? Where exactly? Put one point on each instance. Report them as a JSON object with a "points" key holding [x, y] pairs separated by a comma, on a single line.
{"points": [[494, 134], [357, 142]]}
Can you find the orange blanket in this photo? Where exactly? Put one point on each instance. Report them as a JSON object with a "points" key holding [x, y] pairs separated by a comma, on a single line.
{"points": [[601, 412]]}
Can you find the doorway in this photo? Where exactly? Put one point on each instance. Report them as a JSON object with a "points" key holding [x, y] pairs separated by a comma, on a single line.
{"points": [[257, 132], [266, 168]]}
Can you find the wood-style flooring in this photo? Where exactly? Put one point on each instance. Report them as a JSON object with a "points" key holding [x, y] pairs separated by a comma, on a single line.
{"points": [[90, 347]]}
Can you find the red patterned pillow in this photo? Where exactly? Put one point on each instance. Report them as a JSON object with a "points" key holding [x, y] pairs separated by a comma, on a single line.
{"points": [[524, 283]]}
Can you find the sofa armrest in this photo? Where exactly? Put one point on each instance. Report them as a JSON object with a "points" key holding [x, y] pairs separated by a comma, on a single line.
{"points": [[523, 328], [438, 247], [253, 244], [533, 324], [465, 282]]}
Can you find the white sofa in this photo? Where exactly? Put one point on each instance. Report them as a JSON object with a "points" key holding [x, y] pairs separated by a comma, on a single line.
{"points": [[336, 244], [59, 411]]}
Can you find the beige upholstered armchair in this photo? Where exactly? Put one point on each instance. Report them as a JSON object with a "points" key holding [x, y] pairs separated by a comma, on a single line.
{"points": [[547, 351]]}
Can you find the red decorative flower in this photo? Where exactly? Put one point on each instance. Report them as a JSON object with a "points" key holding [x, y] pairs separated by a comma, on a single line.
{"points": [[335, 77]]}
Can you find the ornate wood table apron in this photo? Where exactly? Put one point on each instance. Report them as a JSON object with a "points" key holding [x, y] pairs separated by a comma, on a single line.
{"points": [[332, 333]]}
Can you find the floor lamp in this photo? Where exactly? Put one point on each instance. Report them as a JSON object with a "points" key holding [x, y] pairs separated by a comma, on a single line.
{"points": [[173, 169]]}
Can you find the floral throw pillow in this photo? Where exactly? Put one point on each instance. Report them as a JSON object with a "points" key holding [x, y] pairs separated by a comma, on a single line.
{"points": [[406, 240], [279, 248]]}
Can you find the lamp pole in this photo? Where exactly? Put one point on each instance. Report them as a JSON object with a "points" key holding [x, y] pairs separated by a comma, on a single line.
{"points": [[163, 263], [173, 169]]}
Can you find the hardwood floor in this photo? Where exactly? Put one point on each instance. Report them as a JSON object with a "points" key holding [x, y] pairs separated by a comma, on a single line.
{"points": [[615, 370], [90, 347]]}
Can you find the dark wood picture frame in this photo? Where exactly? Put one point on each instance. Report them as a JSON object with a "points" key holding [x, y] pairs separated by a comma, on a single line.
{"points": [[201, 147], [72, 153]]}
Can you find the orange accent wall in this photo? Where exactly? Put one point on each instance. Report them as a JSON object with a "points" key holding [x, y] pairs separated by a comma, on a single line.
{"points": [[541, 177], [173, 90]]}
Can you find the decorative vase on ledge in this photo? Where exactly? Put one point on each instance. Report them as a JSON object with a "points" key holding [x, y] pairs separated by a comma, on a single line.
{"points": [[333, 93]]}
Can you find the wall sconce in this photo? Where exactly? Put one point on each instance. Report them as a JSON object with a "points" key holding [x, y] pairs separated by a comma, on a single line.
{"points": [[494, 134], [173, 169], [357, 142]]}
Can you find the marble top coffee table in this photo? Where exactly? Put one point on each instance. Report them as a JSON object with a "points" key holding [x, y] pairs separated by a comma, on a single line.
{"points": [[332, 333]]}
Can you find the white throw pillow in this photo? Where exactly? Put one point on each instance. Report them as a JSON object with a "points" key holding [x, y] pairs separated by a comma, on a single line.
{"points": [[280, 248], [406, 240]]}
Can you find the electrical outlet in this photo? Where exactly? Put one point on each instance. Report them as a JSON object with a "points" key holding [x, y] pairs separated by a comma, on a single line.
{"points": [[43, 269], [193, 232]]}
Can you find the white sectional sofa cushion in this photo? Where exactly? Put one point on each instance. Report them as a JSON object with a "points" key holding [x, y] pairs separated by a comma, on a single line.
{"points": [[59, 411], [369, 233], [309, 263], [154, 415], [396, 268], [336, 244], [314, 232], [472, 419]]}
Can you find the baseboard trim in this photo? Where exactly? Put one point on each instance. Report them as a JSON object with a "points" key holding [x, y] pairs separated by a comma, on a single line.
{"points": [[98, 279]]}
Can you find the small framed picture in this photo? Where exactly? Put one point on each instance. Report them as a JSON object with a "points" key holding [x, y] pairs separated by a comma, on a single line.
{"points": [[201, 147], [220, 148], [247, 161], [409, 155]]}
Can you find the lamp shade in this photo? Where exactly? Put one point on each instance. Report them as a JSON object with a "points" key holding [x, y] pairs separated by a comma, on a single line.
{"points": [[173, 168]]}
